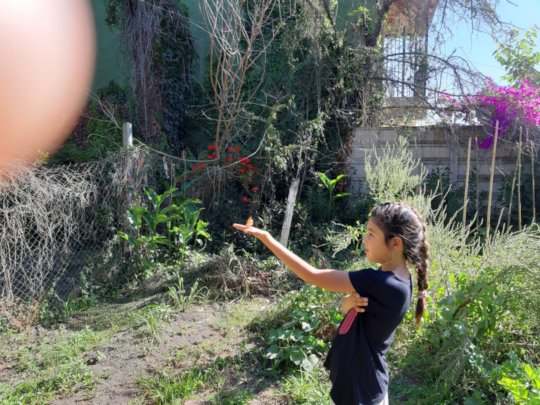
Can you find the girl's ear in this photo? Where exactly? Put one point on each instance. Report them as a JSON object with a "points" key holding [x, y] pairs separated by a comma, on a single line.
{"points": [[396, 242]]}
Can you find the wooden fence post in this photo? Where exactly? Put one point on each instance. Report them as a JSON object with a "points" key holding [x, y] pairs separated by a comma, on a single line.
{"points": [[477, 200], [519, 178], [466, 191], [127, 142], [512, 195], [491, 176], [533, 151], [127, 134]]}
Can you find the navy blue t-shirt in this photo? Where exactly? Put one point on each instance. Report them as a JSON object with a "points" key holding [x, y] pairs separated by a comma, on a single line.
{"points": [[357, 359]]}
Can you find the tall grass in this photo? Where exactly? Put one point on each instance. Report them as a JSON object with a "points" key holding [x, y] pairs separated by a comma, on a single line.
{"points": [[479, 340]]}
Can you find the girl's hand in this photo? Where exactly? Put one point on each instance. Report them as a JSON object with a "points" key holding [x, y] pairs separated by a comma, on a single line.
{"points": [[251, 230], [354, 301]]}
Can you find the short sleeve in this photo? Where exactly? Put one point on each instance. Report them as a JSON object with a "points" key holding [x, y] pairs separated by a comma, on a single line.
{"points": [[364, 282]]}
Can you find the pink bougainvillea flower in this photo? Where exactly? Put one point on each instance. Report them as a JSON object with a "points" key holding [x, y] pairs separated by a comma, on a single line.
{"points": [[236, 149], [245, 199], [485, 143], [251, 168], [230, 159], [201, 165], [211, 156], [211, 147], [510, 106], [255, 189], [242, 170], [194, 167]]}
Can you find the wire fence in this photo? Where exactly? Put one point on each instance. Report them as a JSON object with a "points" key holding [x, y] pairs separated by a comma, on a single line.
{"points": [[59, 223]]}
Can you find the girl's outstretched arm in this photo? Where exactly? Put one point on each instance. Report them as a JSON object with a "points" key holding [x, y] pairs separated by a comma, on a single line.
{"points": [[331, 280]]}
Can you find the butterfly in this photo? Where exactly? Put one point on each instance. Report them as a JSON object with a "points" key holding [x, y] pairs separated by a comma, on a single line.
{"points": [[249, 221]]}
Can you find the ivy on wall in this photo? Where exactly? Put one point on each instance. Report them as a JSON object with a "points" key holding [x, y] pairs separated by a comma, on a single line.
{"points": [[157, 36]]}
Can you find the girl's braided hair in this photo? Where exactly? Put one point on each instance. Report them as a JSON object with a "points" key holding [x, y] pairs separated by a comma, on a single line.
{"points": [[396, 219]]}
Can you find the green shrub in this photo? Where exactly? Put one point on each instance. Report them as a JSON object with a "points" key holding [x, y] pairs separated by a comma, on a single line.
{"points": [[166, 221], [303, 338]]}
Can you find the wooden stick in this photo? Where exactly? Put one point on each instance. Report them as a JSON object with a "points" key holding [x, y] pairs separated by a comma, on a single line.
{"points": [[466, 191], [491, 176], [533, 151], [477, 202], [519, 178], [512, 194]]}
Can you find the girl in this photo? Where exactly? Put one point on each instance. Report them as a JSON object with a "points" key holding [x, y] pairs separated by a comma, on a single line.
{"points": [[396, 235]]}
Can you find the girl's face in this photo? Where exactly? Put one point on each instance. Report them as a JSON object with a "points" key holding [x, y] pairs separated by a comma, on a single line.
{"points": [[375, 246]]}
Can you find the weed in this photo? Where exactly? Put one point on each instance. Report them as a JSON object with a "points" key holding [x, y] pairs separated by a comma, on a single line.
{"points": [[164, 388], [307, 387], [53, 368], [181, 299], [153, 317]]}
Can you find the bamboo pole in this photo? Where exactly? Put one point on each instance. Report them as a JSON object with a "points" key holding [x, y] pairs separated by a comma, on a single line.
{"points": [[512, 194], [533, 151], [491, 176], [466, 191], [477, 202], [519, 178]]}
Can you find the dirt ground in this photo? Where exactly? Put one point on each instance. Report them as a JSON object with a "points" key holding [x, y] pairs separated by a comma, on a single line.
{"points": [[196, 337]]}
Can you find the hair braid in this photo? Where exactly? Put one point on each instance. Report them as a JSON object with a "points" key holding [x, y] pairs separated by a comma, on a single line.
{"points": [[397, 219], [421, 265]]}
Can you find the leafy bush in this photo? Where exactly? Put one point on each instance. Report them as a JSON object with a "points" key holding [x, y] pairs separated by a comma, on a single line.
{"points": [[303, 338], [166, 220], [394, 173]]}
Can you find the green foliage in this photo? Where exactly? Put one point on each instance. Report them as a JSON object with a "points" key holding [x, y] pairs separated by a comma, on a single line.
{"points": [[181, 299], [166, 220], [390, 174], [164, 388], [482, 310], [505, 195], [53, 368], [96, 135], [307, 387], [169, 59], [296, 342], [519, 57], [521, 380], [349, 235], [153, 317], [330, 185]]}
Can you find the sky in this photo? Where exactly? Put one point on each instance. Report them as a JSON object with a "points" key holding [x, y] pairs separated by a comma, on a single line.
{"points": [[478, 48]]}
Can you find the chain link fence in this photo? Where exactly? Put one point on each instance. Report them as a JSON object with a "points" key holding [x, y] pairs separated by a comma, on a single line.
{"points": [[59, 223]]}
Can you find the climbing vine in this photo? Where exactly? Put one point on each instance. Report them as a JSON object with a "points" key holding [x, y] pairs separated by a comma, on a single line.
{"points": [[157, 38]]}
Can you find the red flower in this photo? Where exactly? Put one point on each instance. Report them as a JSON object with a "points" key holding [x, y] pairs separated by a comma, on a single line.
{"points": [[212, 156], [242, 170], [245, 199], [194, 167], [236, 149], [186, 178], [211, 147], [229, 159], [251, 168], [201, 165], [255, 189], [245, 160]]}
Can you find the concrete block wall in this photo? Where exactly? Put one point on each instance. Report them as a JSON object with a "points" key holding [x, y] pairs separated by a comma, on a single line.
{"points": [[437, 148]]}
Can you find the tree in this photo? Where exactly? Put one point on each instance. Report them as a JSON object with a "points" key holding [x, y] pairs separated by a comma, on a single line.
{"points": [[519, 58]]}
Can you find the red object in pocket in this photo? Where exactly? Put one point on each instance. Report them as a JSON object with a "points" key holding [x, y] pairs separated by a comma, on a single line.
{"points": [[347, 322]]}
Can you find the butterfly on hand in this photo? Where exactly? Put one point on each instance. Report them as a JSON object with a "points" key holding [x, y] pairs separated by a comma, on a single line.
{"points": [[249, 221]]}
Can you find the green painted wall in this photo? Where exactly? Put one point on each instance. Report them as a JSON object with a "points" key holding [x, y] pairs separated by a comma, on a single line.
{"points": [[111, 63]]}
